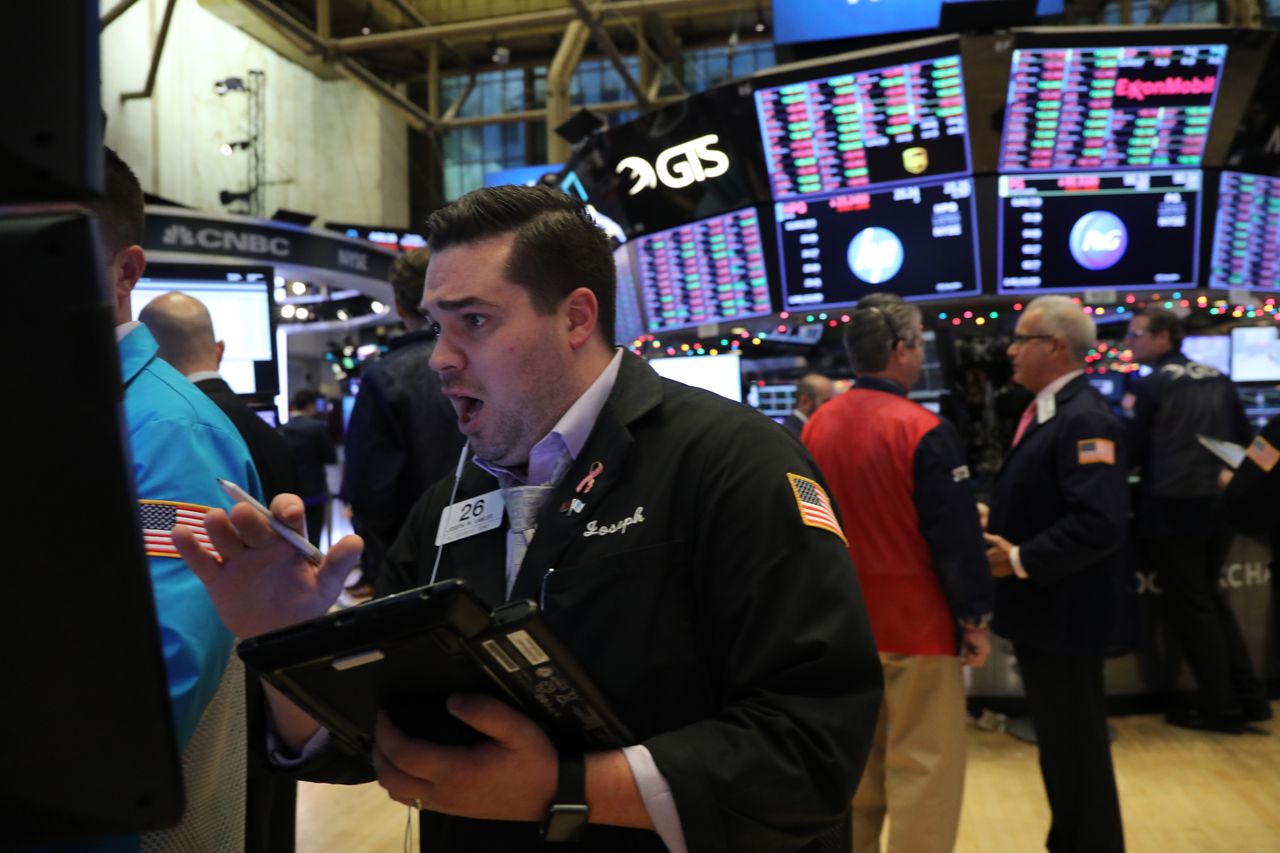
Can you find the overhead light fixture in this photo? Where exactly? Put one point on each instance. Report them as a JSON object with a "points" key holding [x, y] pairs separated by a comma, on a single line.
{"points": [[229, 148], [287, 311], [343, 315], [378, 307], [302, 313], [298, 288], [501, 55], [760, 25], [229, 197], [231, 84], [366, 28]]}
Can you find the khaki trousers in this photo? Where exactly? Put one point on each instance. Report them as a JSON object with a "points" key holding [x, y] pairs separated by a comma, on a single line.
{"points": [[915, 773]]}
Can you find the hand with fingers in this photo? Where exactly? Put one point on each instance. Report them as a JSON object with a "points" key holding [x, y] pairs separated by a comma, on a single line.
{"points": [[259, 582], [509, 776]]}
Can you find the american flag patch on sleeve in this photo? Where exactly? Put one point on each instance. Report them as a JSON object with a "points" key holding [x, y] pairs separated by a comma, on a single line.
{"points": [[159, 519], [1092, 451], [1263, 453], [815, 507]]}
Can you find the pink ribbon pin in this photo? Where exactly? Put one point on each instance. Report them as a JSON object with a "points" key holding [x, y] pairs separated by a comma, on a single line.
{"points": [[590, 480]]}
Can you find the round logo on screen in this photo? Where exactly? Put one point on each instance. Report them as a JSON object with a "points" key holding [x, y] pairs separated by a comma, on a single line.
{"points": [[875, 255], [1098, 240]]}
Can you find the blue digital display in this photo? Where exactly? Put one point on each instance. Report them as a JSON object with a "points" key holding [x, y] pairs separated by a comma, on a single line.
{"points": [[822, 20], [521, 175]]}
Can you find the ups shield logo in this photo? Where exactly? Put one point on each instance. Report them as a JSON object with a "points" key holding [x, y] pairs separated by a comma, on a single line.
{"points": [[915, 160]]}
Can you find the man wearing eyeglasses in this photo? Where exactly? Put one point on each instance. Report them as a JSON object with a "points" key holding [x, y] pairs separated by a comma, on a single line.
{"points": [[1056, 531], [1183, 529]]}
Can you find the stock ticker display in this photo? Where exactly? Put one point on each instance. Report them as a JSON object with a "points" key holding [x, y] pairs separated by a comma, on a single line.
{"points": [[1075, 231], [1109, 107], [708, 271], [916, 241], [890, 125], [1246, 237]]}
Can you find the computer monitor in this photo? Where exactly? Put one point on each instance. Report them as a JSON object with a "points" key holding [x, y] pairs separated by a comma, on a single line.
{"points": [[721, 374], [1213, 350], [773, 399], [1105, 107], [1246, 233], [797, 21], [1097, 230], [628, 322], [709, 271], [835, 130], [1255, 354], [916, 241], [241, 302]]}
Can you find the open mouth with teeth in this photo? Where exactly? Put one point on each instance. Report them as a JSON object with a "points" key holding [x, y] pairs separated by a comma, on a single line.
{"points": [[467, 408]]}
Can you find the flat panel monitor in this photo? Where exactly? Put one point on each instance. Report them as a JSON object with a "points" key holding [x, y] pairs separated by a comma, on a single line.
{"points": [[687, 161], [388, 238], [1246, 233], [1109, 107], [916, 241], [895, 124], [1255, 354], [1213, 350], [710, 271], [797, 21], [1099, 230], [628, 321], [241, 303], [721, 374], [776, 400]]}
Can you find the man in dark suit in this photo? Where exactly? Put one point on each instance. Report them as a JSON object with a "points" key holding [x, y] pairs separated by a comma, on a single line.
{"points": [[1056, 531], [403, 434], [812, 391], [312, 449], [183, 330], [184, 334]]}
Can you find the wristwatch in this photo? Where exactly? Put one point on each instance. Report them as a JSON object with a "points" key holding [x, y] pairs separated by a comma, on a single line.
{"points": [[566, 819]]}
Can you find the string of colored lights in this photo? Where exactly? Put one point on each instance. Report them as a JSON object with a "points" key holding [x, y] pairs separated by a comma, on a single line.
{"points": [[739, 338]]}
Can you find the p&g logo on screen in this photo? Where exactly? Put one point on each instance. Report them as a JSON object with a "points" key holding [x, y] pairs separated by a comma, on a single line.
{"points": [[875, 255], [1098, 240]]}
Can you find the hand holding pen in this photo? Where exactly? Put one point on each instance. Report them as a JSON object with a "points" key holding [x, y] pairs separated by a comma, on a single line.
{"points": [[268, 576]]}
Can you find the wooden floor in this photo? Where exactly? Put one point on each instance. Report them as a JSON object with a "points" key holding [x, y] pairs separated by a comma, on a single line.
{"points": [[1179, 791]]}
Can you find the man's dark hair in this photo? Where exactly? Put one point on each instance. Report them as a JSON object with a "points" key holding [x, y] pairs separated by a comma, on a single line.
{"points": [[1163, 320], [303, 397], [557, 246], [119, 209], [876, 325], [408, 274]]}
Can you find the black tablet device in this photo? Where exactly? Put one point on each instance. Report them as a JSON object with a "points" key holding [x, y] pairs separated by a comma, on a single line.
{"points": [[406, 653]]}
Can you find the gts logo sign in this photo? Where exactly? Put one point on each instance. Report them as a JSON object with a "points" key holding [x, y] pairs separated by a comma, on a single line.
{"points": [[678, 166]]}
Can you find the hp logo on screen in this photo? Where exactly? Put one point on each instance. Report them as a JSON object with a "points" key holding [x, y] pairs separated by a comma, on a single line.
{"points": [[875, 255], [1098, 240]]}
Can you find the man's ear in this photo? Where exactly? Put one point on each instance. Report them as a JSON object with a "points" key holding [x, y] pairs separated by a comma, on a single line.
{"points": [[582, 311], [222, 347], [126, 268]]}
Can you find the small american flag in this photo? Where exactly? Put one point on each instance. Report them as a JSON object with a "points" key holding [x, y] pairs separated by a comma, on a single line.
{"points": [[158, 520], [1263, 453], [815, 507], [1096, 450]]}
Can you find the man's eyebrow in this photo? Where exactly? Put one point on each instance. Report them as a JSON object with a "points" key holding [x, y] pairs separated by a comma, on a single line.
{"points": [[461, 304]]}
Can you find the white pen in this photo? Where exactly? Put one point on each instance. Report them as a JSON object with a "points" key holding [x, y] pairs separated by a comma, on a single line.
{"points": [[313, 555]]}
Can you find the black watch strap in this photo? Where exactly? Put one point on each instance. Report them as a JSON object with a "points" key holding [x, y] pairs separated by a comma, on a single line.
{"points": [[566, 819]]}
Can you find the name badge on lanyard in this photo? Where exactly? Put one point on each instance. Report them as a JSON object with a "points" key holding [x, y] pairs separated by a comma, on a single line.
{"points": [[469, 517]]}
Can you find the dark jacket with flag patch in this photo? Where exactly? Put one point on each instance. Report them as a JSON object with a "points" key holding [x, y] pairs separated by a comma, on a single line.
{"points": [[728, 633], [1063, 497]]}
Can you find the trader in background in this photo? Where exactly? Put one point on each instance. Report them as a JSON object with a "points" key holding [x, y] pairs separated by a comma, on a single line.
{"points": [[312, 449], [1057, 528], [183, 331], [1183, 528], [812, 391], [916, 543], [403, 434]]}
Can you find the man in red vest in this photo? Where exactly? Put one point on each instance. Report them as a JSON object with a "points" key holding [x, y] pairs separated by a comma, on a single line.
{"points": [[898, 473]]}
